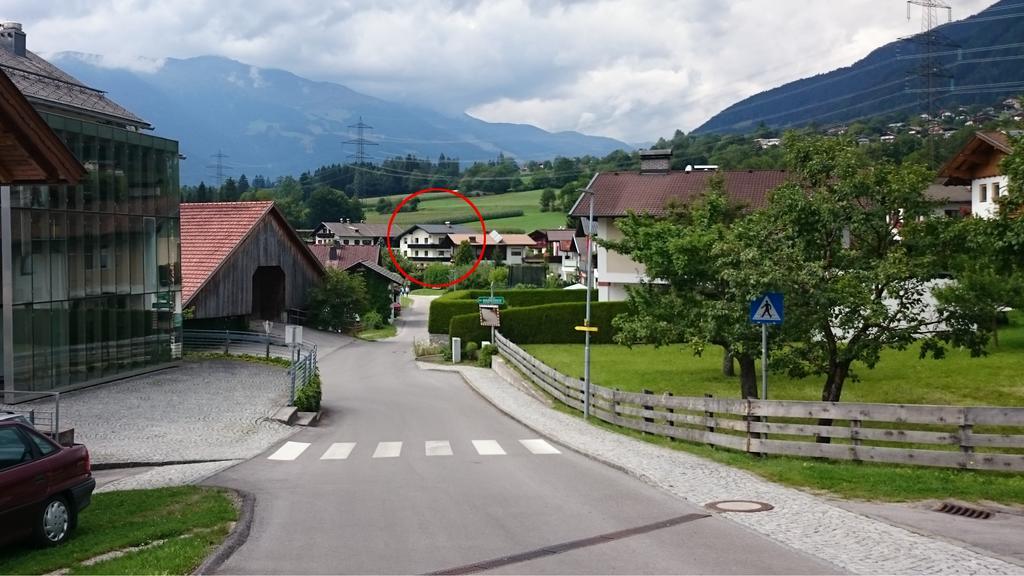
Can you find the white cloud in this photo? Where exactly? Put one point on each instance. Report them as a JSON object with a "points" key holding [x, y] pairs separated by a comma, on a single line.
{"points": [[631, 69]]}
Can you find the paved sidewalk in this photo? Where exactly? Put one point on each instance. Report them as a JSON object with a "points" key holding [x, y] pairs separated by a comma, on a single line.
{"points": [[200, 411], [812, 525]]}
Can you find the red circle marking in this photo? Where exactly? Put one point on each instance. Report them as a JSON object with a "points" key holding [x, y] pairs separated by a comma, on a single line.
{"points": [[391, 252]]}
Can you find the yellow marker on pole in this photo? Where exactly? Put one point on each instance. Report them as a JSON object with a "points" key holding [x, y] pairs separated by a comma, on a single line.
{"points": [[586, 327]]}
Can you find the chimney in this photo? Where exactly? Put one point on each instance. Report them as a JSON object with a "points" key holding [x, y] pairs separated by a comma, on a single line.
{"points": [[655, 160], [12, 38]]}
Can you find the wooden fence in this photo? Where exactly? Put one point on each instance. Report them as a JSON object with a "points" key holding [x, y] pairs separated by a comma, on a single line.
{"points": [[980, 438]]}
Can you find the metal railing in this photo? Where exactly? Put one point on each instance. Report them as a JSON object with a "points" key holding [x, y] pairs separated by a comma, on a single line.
{"points": [[302, 358], [42, 409]]}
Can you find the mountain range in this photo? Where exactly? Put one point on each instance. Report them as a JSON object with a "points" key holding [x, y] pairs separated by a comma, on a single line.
{"points": [[977, 60], [275, 123]]}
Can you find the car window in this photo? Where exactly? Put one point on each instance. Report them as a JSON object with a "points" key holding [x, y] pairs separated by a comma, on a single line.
{"points": [[44, 445], [13, 449]]}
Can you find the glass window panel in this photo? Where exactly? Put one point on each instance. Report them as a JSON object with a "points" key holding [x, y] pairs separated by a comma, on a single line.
{"points": [[21, 252], [22, 318], [87, 189], [41, 361], [91, 244], [107, 259], [122, 253], [58, 256], [119, 180], [124, 333], [59, 351], [40, 256], [77, 342], [138, 331], [76, 255], [105, 165], [136, 256], [150, 264]]}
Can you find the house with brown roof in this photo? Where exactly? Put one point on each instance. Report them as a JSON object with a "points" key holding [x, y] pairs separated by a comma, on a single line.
{"points": [[652, 191], [243, 261], [977, 165], [509, 248], [353, 233], [558, 249], [344, 256]]}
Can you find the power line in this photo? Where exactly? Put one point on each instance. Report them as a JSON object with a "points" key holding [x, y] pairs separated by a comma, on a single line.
{"points": [[219, 167]]}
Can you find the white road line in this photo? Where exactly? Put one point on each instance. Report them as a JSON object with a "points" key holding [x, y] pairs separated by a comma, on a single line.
{"points": [[538, 446], [388, 450], [438, 448], [338, 451], [488, 448], [290, 451]]}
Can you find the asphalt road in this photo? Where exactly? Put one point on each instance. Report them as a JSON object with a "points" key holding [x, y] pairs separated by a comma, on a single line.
{"points": [[465, 505]]}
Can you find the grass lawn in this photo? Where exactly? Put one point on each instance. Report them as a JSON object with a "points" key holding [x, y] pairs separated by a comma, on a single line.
{"points": [[427, 292], [192, 520], [900, 377], [439, 206], [378, 334]]}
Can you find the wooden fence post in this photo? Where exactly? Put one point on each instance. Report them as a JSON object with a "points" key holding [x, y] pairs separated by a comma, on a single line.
{"points": [[646, 407], [966, 428], [709, 416], [670, 421]]}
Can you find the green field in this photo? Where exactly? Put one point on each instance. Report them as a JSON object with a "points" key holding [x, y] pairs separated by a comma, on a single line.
{"points": [[439, 206], [900, 377]]}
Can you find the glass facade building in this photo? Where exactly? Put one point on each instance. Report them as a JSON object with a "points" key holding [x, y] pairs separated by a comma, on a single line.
{"points": [[94, 270]]}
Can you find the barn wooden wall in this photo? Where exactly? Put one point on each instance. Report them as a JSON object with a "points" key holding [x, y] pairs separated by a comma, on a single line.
{"points": [[229, 292]]}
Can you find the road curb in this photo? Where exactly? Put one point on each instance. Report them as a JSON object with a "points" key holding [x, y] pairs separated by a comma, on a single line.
{"points": [[157, 464], [239, 534]]}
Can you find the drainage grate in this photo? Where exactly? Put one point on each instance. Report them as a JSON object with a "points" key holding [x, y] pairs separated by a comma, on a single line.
{"points": [[966, 511]]}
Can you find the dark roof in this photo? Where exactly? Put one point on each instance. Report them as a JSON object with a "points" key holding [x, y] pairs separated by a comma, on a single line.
{"points": [[344, 256], [618, 193], [30, 152], [362, 229], [976, 153], [391, 276], [438, 229], [553, 235], [212, 231], [44, 83]]}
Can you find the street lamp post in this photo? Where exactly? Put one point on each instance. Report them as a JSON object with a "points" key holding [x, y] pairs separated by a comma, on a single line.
{"points": [[586, 321]]}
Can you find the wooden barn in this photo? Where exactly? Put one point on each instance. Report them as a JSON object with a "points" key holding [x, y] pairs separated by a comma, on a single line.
{"points": [[243, 261]]}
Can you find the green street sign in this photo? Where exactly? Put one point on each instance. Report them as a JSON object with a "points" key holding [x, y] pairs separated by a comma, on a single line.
{"points": [[491, 300]]}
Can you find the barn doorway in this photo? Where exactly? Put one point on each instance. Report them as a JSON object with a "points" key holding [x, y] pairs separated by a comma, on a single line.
{"points": [[268, 293]]}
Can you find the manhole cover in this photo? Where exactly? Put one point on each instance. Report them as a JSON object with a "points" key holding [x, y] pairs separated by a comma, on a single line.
{"points": [[967, 511], [739, 506]]}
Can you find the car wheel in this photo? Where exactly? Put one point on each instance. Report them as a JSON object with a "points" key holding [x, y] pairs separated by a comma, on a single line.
{"points": [[53, 523]]}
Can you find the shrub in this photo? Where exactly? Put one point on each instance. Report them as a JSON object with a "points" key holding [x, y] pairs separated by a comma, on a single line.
{"points": [[307, 398], [468, 218], [470, 351], [486, 353], [460, 302], [424, 347], [437, 274], [446, 352], [335, 303], [372, 320], [547, 324]]}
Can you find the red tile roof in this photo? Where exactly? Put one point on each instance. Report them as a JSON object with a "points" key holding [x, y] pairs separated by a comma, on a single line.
{"points": [[617, 193], [343, 256], [210, 233]]}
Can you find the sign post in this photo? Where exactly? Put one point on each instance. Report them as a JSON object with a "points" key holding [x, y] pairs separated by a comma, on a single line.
{"points": [[764, 310]]}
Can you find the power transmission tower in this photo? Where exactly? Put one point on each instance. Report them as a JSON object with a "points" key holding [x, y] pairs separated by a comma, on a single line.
{"points": [[931, 71], [219, 168], [360, 154]]}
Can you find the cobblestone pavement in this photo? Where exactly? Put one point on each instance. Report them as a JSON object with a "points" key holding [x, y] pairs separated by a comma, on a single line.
{"points": [[850, 541], [208, 410]]}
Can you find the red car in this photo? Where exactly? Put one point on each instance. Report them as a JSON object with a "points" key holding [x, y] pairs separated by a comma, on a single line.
{"points": [[43, 485]]}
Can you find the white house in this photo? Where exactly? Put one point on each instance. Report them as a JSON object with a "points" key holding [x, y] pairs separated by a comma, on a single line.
{"points": [[977, 165], [427, 242], [649, 191]]}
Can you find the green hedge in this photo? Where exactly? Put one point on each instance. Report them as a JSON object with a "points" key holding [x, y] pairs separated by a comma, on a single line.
{"points": [[547, 324], [487, 215], [459, 302]]}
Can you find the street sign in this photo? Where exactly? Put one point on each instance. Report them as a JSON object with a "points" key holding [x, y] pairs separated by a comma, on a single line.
{"points": [[490, 316], [767, 309], [491, 300], [586, 328], [293, 334]]}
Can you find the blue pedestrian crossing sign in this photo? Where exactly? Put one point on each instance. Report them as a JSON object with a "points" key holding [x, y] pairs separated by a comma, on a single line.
{"points": [[767, 309]]}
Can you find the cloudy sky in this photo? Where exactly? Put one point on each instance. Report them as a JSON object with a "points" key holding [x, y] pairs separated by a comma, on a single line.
{"points": [[629, 69]]}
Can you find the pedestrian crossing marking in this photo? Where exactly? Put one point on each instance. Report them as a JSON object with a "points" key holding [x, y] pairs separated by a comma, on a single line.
{"points": [[338, 451], [388, 450], [488, 448], [438, 448], [290, 451], [538, 446]]}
